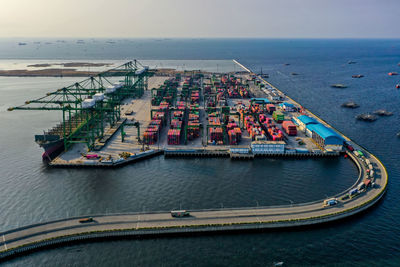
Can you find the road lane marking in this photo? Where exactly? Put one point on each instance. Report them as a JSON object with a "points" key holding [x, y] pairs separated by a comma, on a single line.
{"points": [[137, 224], [4, 240]]}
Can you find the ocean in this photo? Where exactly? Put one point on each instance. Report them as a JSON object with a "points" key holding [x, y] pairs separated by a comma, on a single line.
{"points": [[31, 192]]}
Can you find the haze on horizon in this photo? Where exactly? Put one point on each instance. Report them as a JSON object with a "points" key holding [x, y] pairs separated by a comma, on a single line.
{"points": [[206, 18]]}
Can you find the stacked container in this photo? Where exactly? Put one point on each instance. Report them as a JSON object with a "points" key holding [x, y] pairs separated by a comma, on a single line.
{"points": [[278, 116], [216, 136], [195, 97], [271, 108], [289, 128], [235, 136], [174, 136]]}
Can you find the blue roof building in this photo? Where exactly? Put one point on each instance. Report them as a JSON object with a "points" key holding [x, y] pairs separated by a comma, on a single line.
{"points": [[325, 136], [305, 120]]}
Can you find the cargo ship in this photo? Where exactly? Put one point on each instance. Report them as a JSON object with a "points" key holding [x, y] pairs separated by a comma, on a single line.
{"points": [[52, 144]]}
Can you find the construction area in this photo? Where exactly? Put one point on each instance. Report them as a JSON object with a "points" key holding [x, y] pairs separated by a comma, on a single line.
{"points": [[132, 112]]}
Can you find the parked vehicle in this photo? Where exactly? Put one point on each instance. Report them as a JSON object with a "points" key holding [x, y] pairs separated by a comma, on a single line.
{"points": [[179, 213]]}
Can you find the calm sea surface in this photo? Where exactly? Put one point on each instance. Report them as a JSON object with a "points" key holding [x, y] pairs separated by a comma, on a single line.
{"points": [[31, 192]]}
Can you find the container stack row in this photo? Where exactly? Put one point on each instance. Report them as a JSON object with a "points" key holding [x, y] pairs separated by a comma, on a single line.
{"points": [[193, 130]]}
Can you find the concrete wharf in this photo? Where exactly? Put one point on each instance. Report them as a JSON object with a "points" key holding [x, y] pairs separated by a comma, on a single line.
{"points": [[154, 224]]}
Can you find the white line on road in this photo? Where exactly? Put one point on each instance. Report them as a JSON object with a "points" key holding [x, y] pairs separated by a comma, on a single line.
{"points": [[4, 240], [137, 224]]}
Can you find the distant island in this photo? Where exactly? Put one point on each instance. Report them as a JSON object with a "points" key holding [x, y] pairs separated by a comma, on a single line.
{"points": [[71, 65], [68, 70]]}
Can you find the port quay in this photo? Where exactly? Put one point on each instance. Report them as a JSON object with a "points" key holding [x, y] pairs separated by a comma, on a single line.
{"points": [[197, 114]]}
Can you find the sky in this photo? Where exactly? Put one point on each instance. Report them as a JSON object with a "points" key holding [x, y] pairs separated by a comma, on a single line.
{"points": [[200, 18]]}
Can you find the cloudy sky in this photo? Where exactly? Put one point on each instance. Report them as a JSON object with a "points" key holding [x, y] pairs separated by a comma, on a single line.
{"points": [[201, 18]]}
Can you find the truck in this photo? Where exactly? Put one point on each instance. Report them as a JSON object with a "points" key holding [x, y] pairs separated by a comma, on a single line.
{"points": [[353, 192], [179, 213], [330, 202]]}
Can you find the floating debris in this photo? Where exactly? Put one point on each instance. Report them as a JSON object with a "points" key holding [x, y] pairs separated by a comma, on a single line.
{"points": [[398, 134], [351, 62], [286, 64], [294, 73], [357, 76], [366, 117], [382, 112], [338, 85], [350, 104]]}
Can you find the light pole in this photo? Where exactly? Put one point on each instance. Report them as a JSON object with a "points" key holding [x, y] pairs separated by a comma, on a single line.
{"points": [[257, 203]]}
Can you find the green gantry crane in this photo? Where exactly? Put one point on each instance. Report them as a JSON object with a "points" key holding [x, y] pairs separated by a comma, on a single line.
{"points": [[90, 105]]}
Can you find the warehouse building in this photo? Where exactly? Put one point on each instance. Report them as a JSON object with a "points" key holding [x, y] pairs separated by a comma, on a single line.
{"points": [[326, 137], [304, 120]]}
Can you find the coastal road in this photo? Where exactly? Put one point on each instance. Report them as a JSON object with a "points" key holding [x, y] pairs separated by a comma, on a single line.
{"points": [[266, 217]]}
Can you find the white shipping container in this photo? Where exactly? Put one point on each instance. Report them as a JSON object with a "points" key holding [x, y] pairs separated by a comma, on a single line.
{"points": [[98, 97], [88, 103]]}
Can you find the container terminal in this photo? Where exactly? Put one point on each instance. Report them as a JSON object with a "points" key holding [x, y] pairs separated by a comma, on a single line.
{"points": [[130, 112], [109, 121]]}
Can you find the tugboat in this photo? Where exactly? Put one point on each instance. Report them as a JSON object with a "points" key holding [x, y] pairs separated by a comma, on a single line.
{"points": [[350, 104], [366, 117], [382, 112]]}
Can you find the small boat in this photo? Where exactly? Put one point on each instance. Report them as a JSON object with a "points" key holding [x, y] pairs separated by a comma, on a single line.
{"points": [[351, 62], [294, 73], [398, 86], [392, 73], [279, 263], [338, 85], [21, 43], [357, 76]]}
